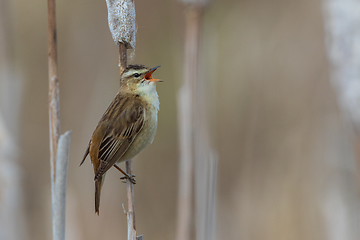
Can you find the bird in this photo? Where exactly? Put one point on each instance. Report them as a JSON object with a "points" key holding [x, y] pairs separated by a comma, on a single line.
{"points": [[128, 125]]}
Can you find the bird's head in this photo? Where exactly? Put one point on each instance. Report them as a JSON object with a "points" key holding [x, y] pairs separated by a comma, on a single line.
{"points": [[138, 79]]}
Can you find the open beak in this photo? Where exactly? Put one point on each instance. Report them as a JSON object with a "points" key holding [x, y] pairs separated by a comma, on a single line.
{"points": [[148, 75]]}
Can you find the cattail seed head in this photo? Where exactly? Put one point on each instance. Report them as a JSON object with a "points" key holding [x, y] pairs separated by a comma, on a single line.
{"points": [[121, 18]]}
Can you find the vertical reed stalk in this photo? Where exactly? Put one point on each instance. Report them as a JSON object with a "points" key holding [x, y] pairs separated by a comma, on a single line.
{"points": [[131, 203], [122, 57], [187, 97], [54, 102], [121, 19], [12, 217], [198, 162], [129, 185], [59, 151], [342, 25], [59, 207]]}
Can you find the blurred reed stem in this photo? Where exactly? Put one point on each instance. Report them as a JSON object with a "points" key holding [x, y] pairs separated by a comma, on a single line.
{"points": [[13, 223], [59, 206], [342, 25], [186, 124], [54, 102], [198, 162], [59, 151]]}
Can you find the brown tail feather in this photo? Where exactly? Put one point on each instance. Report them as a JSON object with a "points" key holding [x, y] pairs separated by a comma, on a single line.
{"points": [[98, 184]]}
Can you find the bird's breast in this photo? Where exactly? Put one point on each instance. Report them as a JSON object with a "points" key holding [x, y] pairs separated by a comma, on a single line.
{"points": [[145, 136]]}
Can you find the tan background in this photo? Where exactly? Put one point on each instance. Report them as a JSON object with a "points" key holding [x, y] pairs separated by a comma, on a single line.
{"points": [[286, 165]]}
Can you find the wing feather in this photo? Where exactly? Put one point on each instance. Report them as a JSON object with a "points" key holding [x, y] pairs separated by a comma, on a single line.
{"points": [[127, 120]]}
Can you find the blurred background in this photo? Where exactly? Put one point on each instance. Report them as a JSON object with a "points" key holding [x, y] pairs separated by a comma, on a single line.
{"points": [[287, 165]]}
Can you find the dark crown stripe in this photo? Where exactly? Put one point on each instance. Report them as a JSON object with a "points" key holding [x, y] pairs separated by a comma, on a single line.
{"points": [[135, 67]]}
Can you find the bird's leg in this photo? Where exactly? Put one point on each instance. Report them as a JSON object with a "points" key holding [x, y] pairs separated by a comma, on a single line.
{"points": [[126, 176]]}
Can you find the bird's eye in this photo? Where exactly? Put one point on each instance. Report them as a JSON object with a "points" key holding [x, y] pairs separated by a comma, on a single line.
{"points": [[136, 75]]}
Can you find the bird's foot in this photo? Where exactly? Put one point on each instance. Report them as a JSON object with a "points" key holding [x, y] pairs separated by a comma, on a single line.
{"points": [[130, 177], [126, 175]]}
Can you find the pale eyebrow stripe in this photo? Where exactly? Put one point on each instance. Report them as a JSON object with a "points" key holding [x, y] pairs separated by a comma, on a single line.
{"points": [[132, 71]]}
